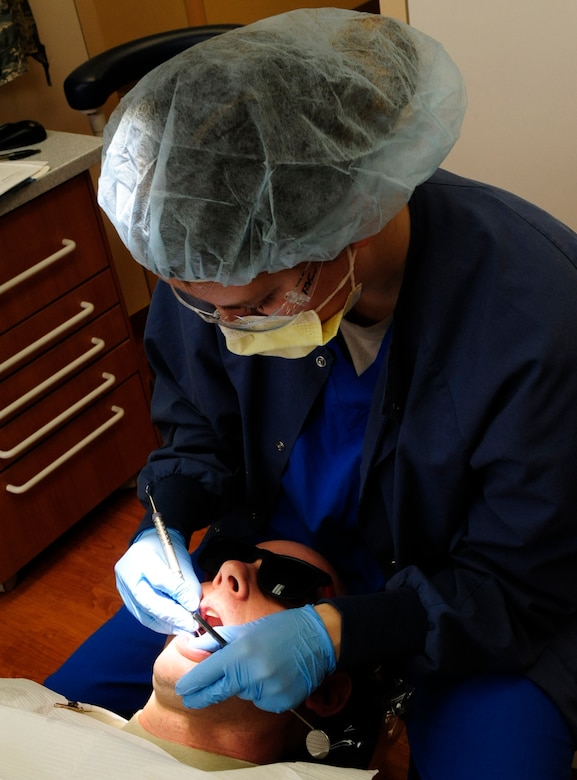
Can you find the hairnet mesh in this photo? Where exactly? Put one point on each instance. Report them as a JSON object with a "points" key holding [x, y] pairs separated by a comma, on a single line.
{"points": [[276, 143]]}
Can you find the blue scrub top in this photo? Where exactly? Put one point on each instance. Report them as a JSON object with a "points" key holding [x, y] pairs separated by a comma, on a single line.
{"points": [[319, 499]]}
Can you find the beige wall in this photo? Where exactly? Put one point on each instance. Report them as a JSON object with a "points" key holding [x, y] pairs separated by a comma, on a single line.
{"points": [[521, 77], [395, 8]]}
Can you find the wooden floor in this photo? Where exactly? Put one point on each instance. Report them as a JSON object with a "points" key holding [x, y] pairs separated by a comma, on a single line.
{"points": [[69, 590], [66, 592]]}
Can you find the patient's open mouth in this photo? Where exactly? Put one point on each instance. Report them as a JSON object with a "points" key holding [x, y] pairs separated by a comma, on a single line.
{"points": [[207, 619], [210, 617], [208, 623]]}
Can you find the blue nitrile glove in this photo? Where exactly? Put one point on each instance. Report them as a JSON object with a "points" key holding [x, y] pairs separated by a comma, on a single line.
{"points": [[154, 594], [276, 662]]}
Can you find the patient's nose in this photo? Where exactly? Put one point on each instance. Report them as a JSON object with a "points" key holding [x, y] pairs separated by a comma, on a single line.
{"points": [[234, 578]]}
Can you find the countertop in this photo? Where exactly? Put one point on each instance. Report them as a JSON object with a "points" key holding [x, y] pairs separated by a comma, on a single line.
{"points": [[67, 154]]}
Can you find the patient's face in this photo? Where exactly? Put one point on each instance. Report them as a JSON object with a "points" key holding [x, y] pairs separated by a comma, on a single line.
{"points": [[231, 598]]}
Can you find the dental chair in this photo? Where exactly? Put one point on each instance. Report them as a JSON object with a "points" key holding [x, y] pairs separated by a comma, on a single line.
{"points": [[90, 85]]}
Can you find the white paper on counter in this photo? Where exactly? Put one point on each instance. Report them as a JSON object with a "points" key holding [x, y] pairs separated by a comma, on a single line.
{"points": [[15, 173]]}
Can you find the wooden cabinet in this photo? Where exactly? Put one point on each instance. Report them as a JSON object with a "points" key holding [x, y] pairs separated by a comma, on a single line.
{"points": [[74, 412]]}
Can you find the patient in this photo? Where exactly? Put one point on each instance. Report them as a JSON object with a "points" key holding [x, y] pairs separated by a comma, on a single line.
{"points": [[234, 733]]}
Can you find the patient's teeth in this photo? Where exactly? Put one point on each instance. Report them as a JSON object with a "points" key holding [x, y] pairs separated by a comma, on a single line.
{"points": [[212, 617]]}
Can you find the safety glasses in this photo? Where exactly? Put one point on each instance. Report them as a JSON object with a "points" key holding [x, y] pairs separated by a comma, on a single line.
{"points": [[279, 576], [280, 310]]}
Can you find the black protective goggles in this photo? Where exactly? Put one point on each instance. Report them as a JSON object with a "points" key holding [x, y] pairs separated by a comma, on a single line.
{"points": [[279, 576]]}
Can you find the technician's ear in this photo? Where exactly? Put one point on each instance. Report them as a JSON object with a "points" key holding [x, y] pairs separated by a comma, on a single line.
{"points": [[331, 696]]}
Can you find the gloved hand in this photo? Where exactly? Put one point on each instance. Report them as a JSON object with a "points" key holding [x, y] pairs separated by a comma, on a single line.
{"points": [[276, 662], [154, 594]]}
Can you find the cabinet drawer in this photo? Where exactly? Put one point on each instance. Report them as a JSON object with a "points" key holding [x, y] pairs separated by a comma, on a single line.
{"points": [[49, 414], [61, 363], [56, 322], [35, 232], [70, 473]]}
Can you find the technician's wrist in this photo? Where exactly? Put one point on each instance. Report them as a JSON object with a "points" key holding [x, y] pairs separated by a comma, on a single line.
{"points": [[332, 620]]}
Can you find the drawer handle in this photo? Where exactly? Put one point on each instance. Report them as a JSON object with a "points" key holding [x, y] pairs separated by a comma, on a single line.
{"points": [[99, 345], [19, 489], [87, 309], [69, 246], [109, 380]]}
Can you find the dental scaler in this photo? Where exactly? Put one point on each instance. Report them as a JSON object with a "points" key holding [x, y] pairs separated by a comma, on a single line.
{"points": [[173, 563]]}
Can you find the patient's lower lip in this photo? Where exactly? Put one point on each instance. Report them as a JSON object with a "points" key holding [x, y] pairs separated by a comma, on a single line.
{"points": [[185, 647]]}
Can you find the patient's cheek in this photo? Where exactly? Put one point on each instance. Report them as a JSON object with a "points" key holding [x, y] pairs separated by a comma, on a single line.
{"points": [[185, 647]]}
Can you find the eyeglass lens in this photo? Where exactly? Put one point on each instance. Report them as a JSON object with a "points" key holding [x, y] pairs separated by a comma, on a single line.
{"points": [[292, 302]]}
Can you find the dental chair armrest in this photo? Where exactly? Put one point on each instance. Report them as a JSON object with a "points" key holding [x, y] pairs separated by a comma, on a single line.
{"points": [[90, 85]]}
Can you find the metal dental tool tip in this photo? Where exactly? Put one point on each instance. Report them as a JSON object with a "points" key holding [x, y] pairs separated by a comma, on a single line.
{"points": [[209, 629]]}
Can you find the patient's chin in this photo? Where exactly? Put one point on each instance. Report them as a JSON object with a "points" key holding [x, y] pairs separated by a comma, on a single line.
{"points": [[171, 665]]}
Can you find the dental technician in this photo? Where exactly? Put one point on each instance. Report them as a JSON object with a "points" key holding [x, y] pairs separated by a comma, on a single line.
{"points": [[356, 350]]}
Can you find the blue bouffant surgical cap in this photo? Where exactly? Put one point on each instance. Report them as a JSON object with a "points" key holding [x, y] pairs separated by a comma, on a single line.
{"points": [[277, 143]]}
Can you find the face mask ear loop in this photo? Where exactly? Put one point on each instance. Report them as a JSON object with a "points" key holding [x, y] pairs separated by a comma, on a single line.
{"points": [[352, 255]]}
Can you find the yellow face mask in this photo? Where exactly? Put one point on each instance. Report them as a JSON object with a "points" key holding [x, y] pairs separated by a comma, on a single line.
{"points": [[301, 334]]}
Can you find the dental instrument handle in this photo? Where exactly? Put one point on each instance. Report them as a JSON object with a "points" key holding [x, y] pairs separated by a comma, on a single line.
{"points": [[165, 539], [173, 564], [166, 543]]}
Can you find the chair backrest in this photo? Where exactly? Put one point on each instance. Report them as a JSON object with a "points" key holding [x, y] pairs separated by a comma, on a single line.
{"points": [[90, 85]]}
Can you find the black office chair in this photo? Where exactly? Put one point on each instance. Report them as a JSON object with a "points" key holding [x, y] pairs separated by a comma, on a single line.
{"points": [[90, 85]]}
